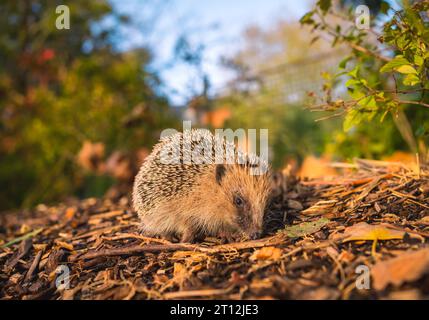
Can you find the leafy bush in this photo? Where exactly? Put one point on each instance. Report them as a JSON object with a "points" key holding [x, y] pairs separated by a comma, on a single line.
{"points": [[60, 88], [386, 73]]}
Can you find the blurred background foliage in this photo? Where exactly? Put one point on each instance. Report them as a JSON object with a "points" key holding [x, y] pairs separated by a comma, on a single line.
{"points": [[62, 88], [78, 114]]}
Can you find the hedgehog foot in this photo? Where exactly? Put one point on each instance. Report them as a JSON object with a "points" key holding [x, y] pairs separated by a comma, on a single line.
{"points": [[170, 237], [226, 237], [192, 236]]}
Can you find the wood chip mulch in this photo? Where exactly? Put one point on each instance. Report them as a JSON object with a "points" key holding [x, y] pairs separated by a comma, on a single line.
{"points": [[360, 235]]}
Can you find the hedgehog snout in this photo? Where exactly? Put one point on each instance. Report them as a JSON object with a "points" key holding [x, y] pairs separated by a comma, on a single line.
{"points": [[255, 235], [253, 231]]}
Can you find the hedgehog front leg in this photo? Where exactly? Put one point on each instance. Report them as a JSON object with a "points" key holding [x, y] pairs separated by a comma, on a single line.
{"points": [[226, 237], [191, 235]]}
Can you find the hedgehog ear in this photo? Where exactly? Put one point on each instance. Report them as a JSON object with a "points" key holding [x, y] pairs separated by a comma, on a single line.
{"points": [[220, 172]]}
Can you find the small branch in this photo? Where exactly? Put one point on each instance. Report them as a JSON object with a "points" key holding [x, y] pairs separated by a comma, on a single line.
{"points": [[339, 114], [359, 48], [426, 105], [404, 91], [138, 249], [198, 293], [33, 266], [367, 51], [133, 250]]}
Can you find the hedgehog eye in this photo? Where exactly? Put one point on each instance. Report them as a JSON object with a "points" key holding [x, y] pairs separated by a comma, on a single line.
{"points": [[238, 201]]}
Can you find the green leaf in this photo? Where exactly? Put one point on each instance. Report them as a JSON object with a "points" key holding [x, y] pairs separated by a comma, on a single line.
{"points": [[343, 63], [418, 60], [307, 18], [349, 120], [314, 39], [411, 80], [384, 7], [354, 117], [354, 73], [356, 93], [324, 5], [368, 102], [351, 82], [380, 96], [305, 228], [396, 62]]}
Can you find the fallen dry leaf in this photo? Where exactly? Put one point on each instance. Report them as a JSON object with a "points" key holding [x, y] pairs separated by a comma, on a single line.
{"points": [[412, 294], [70, 213], [364, 231], [305, 228], [266, 253], [293, 204], [91, 155], [407, 267], [65, 245]]}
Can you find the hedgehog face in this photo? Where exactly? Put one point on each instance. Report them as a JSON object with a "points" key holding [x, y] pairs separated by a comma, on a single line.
{"points": [[247, 218], [246, 195]]}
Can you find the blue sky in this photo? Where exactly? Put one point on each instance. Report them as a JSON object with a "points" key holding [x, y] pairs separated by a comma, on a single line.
{"points": [[218, 23]]}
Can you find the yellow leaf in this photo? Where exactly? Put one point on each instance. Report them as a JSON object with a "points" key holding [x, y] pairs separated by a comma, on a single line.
{"points": [[406, 69], [364, 231], [24, 229]]}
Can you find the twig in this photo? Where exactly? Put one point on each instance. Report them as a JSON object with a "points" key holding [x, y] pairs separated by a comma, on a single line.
{"points": [[33, 266], [121, 236], [367, 51], [426, 105], [137, 249], [133, 250], [198, 293]]}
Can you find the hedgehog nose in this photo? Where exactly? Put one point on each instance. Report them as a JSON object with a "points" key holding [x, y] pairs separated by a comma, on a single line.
{"points": [[255, 235]]}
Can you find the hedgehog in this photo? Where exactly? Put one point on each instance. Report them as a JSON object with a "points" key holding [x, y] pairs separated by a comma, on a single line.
{"points": [[195, 184]]}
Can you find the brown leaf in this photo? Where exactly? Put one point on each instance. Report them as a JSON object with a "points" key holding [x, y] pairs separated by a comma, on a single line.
{"points": [[267, 253], [407, 267], [293, 204]]}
